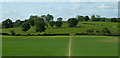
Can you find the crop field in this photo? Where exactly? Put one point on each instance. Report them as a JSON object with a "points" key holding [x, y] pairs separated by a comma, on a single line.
{"points": [[60, 46]]}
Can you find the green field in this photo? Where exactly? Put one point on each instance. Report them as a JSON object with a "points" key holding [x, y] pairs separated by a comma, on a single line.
{"points": [[59, 46], [82, 27]]}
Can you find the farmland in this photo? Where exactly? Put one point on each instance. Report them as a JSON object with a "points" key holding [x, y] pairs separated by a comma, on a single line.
{"points": [[82, 27], [59, 46]]}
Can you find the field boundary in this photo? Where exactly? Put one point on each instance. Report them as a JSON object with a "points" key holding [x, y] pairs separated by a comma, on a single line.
{"points": [[69, 48], [59, 36]]}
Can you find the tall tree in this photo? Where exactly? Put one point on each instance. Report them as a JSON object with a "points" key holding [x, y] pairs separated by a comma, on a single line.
{"points": [[7, 23], [17, 23], [49, 17], [59, 19], [86, 18], [72, 22], [80, 18], [40, 25], [31, 20], [93, 18], [25, 26]]}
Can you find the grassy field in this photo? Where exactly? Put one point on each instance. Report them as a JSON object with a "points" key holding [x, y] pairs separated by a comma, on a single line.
{"points": [[59, 45], [94, 46], [81, 28]]}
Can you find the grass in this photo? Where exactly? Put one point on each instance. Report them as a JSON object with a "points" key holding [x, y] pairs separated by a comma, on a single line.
{"points": [[81, 28], [94, 46], [35, 46], [58, 46]]}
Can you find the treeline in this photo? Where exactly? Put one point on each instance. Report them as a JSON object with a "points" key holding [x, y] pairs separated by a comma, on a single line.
{"points": [[42, 22]]}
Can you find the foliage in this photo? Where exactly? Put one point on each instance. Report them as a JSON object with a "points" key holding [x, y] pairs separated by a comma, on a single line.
{"points": [[52, 23], [72, 22], [7, 23], [80, 18], [49, 17], [17, 23], [58, 23], [25, 26], [86, 18], [40, 25], [59, 19], [12, 32], [106, 31]]}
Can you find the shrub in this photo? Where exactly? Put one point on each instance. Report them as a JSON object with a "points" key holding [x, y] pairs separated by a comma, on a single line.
{"points": [[12, 32]]}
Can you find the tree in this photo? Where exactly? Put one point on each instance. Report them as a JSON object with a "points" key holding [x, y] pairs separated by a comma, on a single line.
{"points": [[80, 18], [40, 25], [59, 19], [106, 31], [72, 22], [25, 26], [114, 20], [49, 17], [86, 18], [58, 23], [93, 18], [7, 23], [44, 17], [17, 23], [31, 20], [52, 23]]}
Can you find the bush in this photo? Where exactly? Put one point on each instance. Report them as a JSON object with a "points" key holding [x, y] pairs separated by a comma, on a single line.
{"points": [[12, 32], [58, 23], [72, 22], [106, 31]]}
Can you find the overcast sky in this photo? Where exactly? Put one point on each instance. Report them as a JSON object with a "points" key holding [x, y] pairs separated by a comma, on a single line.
{"points": [[22, 10]]}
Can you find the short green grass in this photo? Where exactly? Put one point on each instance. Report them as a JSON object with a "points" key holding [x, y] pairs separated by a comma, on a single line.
{"points": [[35, 46], [81, 28], [94, 46], [58, 46]]}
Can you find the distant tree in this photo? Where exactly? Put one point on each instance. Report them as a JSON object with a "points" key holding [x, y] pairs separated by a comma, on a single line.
{"points": [[93, 18], [32, 20], [72, 22], [106, 31], [52, 23], [80, 18], [58, 23], [103, 19], [17, 23], [7, 23], [86, 18], [25, 26], [97, 16], [44, 17], [49, 17], [59, 19], [114, 20], [40, 25]]}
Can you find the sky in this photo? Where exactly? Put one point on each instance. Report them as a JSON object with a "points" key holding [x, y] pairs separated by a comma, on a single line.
{"points": [[22, 9]]}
